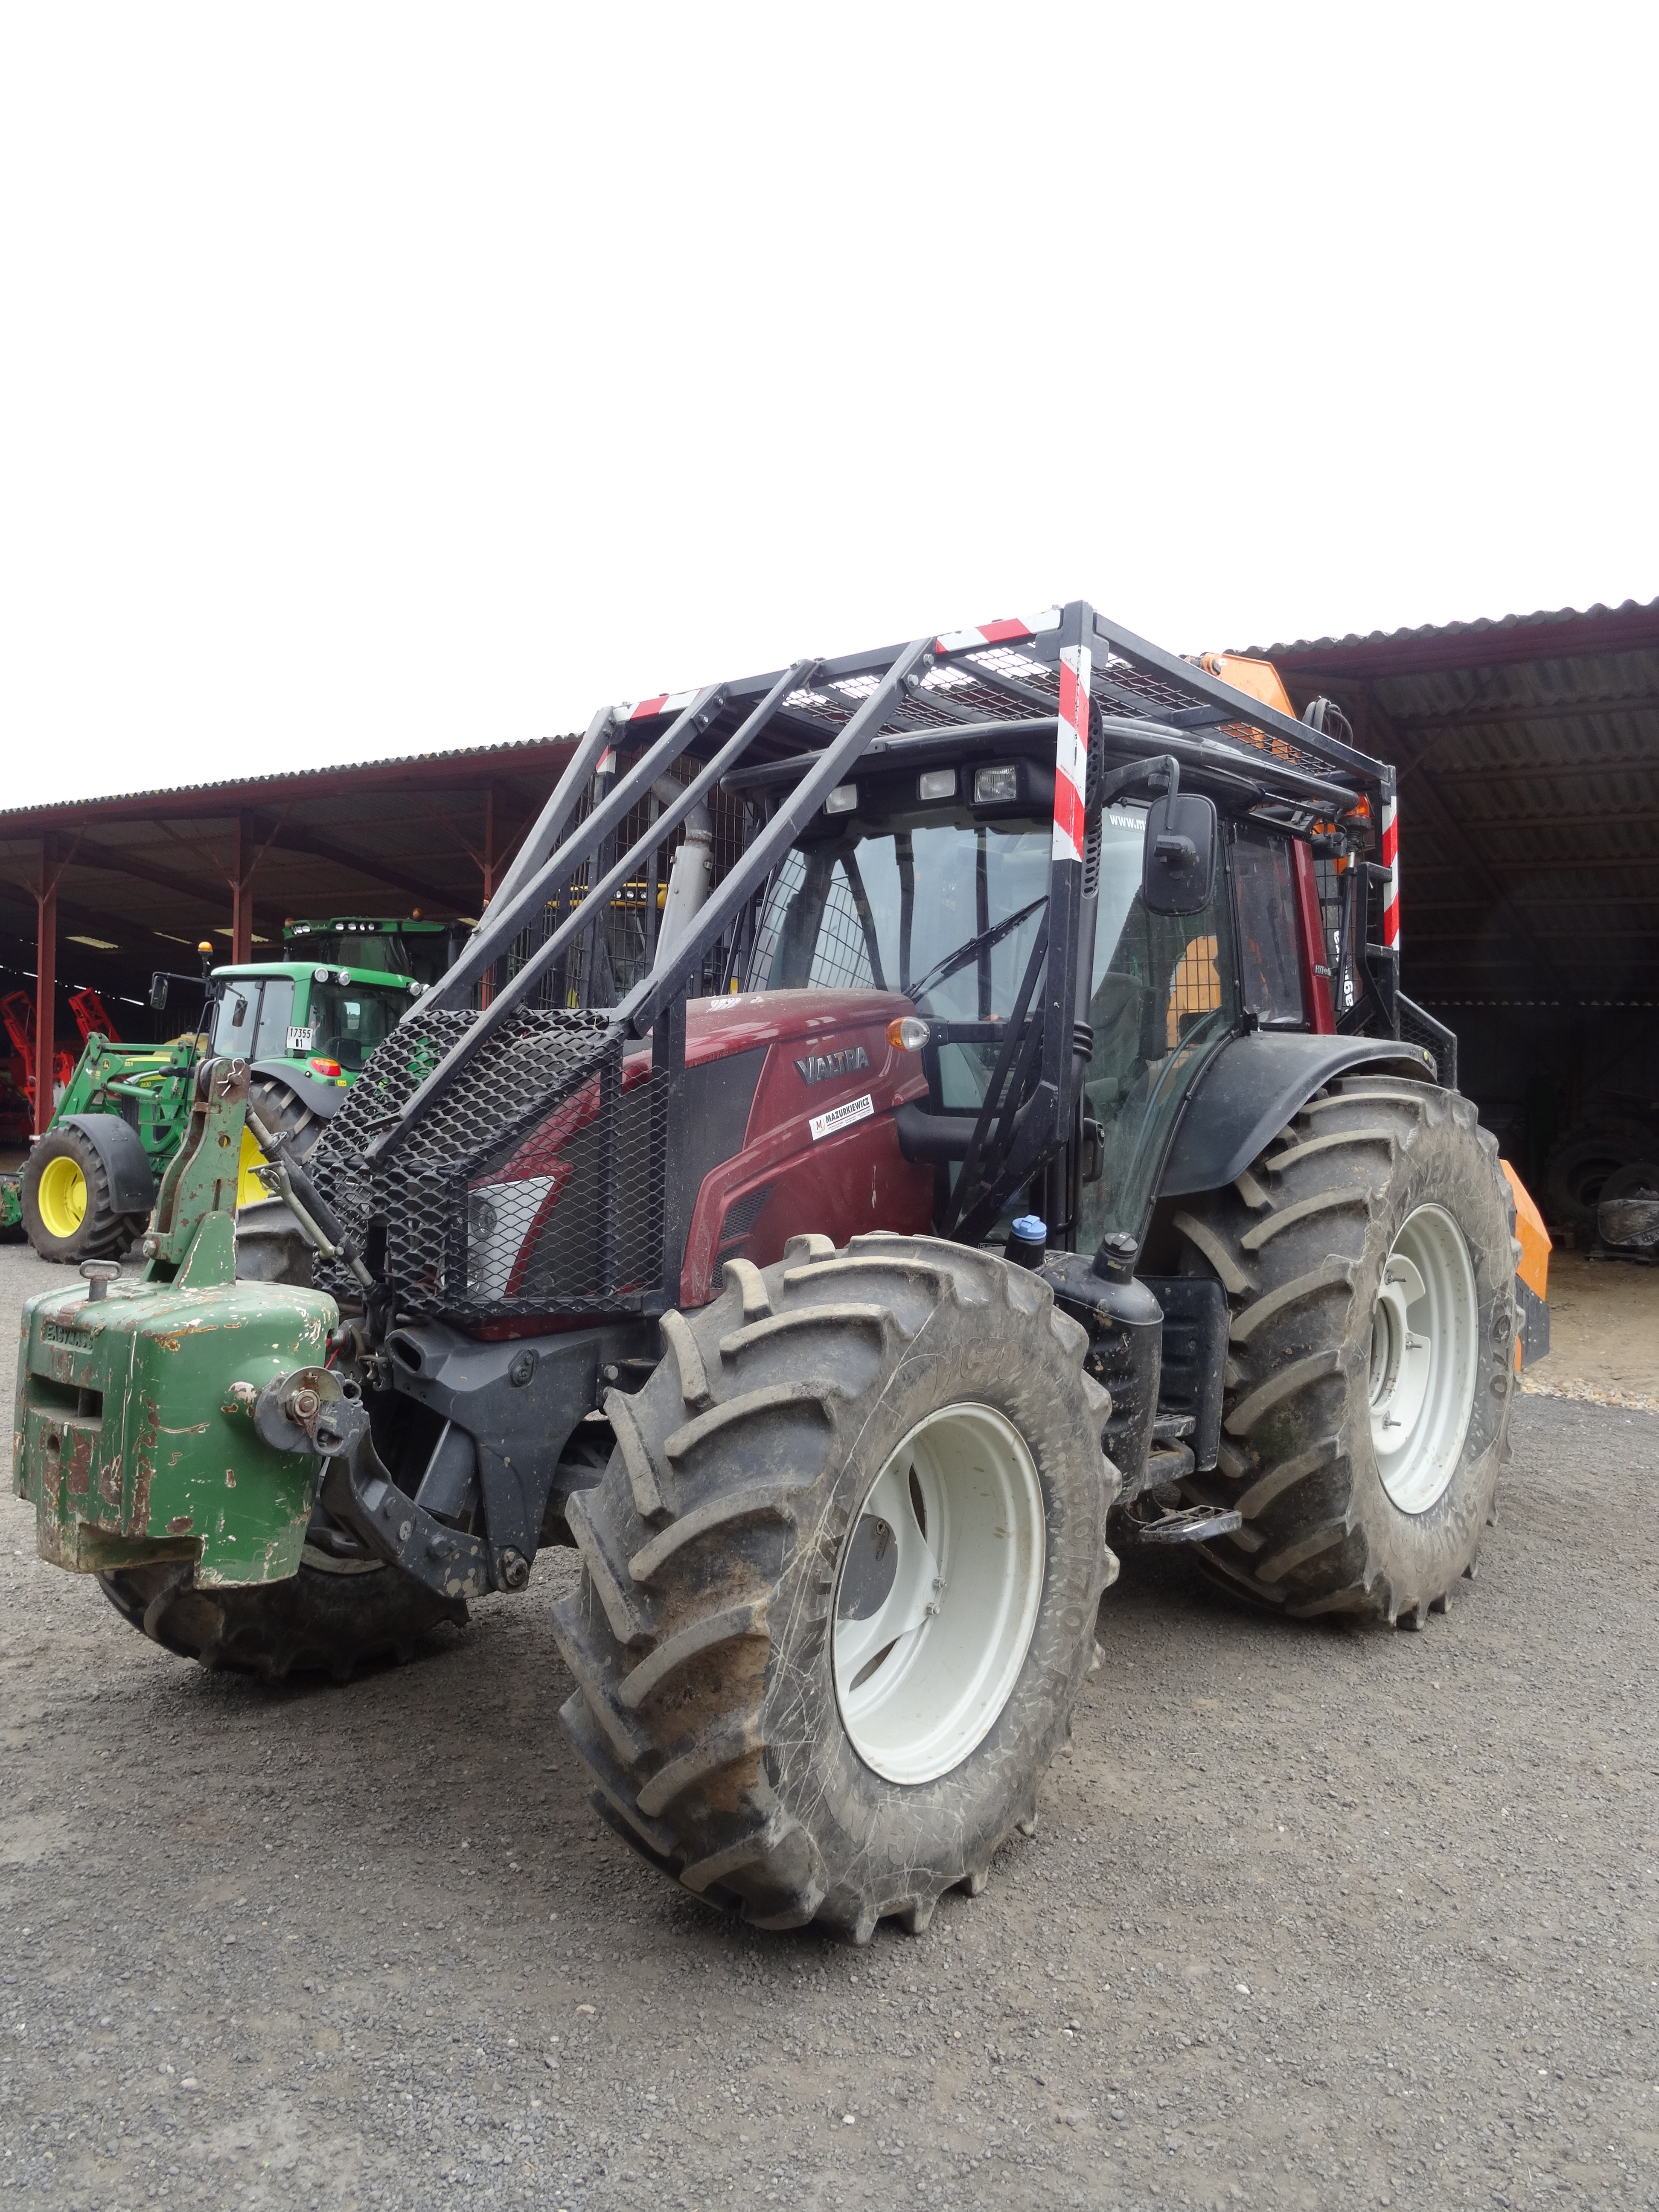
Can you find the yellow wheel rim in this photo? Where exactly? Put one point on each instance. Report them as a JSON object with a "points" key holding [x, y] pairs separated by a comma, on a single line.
{"points": [[249, 1189], [61, 1196]]}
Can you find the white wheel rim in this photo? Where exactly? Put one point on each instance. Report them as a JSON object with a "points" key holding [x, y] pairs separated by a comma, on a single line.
{"points": [[936, 1594], [1423, 1359]]}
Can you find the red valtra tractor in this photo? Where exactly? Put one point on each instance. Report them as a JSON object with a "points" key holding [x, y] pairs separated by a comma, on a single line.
{"points": [[908, 1125]]}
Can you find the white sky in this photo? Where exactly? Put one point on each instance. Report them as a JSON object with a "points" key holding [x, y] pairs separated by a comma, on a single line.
{"points": [[378, 379]]}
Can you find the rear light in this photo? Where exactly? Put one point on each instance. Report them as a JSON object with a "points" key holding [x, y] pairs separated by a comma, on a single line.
{"points": [[329, 1068], [995, 786], [842, 799], [938, 783], [906, 1034]]}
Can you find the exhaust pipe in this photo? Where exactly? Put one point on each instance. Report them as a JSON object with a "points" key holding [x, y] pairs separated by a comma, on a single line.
{"points": [[690, 877]]}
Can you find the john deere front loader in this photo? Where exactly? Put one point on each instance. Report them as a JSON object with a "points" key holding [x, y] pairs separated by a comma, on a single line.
{"points": [[306, 1024], [907, 1126]]}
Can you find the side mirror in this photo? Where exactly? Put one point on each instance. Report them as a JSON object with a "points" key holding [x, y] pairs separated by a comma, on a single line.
{"points": [[1178, 867], [158, 994]]}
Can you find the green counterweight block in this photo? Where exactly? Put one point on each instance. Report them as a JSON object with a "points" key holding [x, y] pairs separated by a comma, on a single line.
{"points": [[135, 1439]]}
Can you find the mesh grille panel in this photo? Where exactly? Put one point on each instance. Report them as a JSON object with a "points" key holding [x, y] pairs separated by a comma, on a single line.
{"points": [[1418, 1027], [532, 1185]]}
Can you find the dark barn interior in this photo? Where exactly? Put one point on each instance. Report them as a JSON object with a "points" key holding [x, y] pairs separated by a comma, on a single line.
{"points": [[100, 893], [1527, 752]]}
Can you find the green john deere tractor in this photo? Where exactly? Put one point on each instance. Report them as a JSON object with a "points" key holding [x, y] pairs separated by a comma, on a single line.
{"points": [[306, 1024]]}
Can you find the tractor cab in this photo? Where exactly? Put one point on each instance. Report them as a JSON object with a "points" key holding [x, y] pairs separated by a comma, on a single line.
{"points": [[329, 1019], [933, 883]]}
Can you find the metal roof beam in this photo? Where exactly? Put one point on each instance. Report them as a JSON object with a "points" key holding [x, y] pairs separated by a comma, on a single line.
{"points": [[1558, 821], [1524, 771], [1599, 936], [1429, 903], [84, 854], [288, 837], [1481, 712], [1591, 863], [91, 921]]}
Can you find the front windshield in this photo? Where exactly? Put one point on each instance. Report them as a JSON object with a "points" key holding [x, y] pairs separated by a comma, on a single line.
{"points": [[890, 908], [894, 909], [1160, 1006]]}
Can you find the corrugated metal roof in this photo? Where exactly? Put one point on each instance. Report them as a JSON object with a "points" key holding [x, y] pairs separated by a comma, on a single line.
{"points": [[1482, 625], [138, 873], [477, 755]]}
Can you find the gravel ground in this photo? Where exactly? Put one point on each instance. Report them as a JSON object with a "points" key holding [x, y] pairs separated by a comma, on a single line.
{"points": [[1313, 1916]]}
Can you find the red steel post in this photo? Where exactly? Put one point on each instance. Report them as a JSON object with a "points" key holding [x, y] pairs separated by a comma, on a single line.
{"points": [[241, 888], [46, 984]]}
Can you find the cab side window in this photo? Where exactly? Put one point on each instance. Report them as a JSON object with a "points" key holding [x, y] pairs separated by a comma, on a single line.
{"points": [[1269, 955], [276, 1017], [1162, 1003]]}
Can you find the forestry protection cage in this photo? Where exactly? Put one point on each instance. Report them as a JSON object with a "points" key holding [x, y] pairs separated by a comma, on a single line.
{"points": [[514, 1149]]}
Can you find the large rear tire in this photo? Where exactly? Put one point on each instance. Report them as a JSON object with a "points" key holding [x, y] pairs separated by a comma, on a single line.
{"points": [[840, 1581], [68, 1211], [1369, 1259], [325, 1619]]}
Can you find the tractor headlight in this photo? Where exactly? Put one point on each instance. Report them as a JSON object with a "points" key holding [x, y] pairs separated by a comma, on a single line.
{"points": [[996, 786], [908, 1034]]}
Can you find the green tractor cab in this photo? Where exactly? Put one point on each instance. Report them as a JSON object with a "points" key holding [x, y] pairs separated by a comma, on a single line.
{"points": [[410, 945]]}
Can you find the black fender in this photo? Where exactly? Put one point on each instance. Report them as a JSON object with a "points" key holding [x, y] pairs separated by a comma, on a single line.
{"points": [[1252, 1087], [324, 1099], [131, 1185]]}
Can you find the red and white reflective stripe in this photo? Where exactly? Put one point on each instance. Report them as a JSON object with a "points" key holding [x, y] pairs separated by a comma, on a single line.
{"points": [[998, 633], [1072, 750], [666, 703], [606, 761], [1391, 862]]}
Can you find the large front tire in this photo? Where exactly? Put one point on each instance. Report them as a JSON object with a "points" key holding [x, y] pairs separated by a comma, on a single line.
{"points": [[68, 1209], [840, 1581], [1369, 1259], [326, 1619]]}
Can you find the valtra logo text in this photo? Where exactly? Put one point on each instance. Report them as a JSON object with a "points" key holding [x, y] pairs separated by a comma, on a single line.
{"points": [[819, 1066]]}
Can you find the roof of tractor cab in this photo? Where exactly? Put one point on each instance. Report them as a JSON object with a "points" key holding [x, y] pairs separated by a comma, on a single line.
{"points": [[1000, 684]]}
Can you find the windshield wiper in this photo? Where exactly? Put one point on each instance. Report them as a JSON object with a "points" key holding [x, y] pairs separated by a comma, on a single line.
{"points": [[943, 969]]}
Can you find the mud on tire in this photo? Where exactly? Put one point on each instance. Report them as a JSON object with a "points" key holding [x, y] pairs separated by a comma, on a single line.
{"points": [[318, 1621], [1300, 1243], [702, 1638]]}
